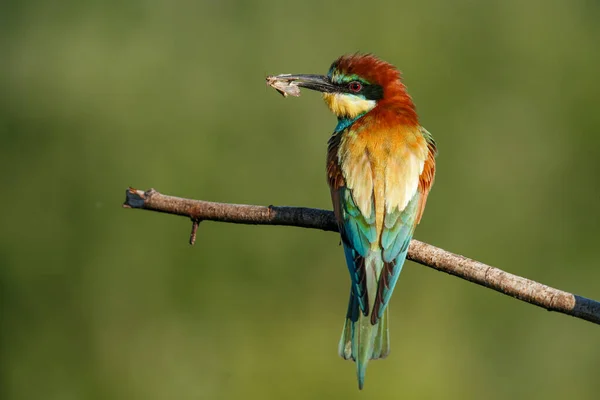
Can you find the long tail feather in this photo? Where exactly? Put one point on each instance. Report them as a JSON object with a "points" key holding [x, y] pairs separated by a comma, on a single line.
{"points": [[362, 341]]}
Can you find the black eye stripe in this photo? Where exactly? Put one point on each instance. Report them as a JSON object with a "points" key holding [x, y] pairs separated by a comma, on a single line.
{"points": [[371, 92]]}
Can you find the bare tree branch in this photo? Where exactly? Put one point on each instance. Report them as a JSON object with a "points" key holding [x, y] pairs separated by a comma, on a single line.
{"points": [[422, 253]]}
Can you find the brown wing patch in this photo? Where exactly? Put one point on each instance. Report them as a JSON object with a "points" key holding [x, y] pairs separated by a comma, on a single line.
{"points": [[335, 179], [334, 172], [361, 282], [426, 178], [384, 282]]}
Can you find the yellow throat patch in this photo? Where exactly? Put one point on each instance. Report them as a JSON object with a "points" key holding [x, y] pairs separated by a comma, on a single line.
{"points": [[347, 105]]}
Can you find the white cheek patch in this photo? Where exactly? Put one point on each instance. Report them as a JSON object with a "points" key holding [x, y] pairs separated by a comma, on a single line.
{"points": [[348, 105]]}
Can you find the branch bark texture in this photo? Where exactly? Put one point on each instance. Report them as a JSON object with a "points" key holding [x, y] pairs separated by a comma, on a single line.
{"points": [[434, 257]]}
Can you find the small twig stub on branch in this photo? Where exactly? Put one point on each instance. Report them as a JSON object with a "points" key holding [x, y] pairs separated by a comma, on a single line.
{"points": [[195, 224]]}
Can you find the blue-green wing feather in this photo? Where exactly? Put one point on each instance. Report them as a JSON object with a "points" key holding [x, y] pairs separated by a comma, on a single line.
{"points": [[397, 233], [358, 232]]}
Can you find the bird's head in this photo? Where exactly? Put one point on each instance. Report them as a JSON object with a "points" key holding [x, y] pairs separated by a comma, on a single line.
{"points": [[356, 84]]}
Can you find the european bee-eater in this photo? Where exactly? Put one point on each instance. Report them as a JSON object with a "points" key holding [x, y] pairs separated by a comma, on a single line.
{"points": [[380, 168]]}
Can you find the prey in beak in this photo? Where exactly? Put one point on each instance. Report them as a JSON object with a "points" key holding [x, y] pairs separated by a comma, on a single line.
{"points": [[288, 84]]}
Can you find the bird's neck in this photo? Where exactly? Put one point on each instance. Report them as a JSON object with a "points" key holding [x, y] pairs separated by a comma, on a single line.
{"points": [[402, 111], [346, 122]]}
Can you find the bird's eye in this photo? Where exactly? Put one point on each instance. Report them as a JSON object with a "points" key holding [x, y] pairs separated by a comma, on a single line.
{"points": [[355, 86]]}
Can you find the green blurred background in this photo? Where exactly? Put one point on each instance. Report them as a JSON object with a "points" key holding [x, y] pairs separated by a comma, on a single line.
{"points": [[99, 302]]}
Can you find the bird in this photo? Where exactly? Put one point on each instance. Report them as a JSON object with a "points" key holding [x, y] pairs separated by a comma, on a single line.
{"points": [[380, 170]]}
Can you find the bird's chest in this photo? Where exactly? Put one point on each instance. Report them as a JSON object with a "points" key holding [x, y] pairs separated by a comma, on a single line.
{"points": [[362, 157]]}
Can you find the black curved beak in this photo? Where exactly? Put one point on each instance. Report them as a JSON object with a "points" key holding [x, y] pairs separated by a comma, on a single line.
{"points": [[320, 83]]}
